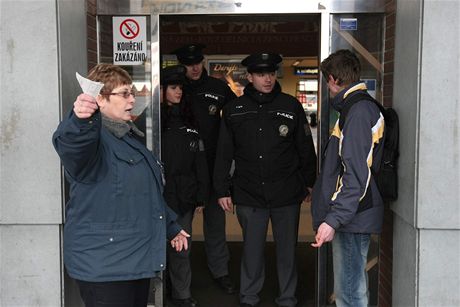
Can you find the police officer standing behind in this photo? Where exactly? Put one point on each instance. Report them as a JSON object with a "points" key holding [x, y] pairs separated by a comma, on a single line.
{"points": [[267, 134], [186, 172], [207, 96]]}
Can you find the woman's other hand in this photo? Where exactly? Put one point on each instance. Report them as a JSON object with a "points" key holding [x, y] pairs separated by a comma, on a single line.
{"points": [[84, 106], [180, 241]]}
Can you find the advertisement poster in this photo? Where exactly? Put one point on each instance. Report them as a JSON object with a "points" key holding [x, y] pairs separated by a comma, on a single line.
{"points": [[231, 72]]}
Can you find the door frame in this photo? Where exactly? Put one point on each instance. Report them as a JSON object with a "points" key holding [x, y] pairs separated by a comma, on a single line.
{"points": [[155, 8]]}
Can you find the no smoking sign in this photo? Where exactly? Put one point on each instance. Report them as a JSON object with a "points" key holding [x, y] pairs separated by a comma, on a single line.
{"points": [[129, 28], [129, 40]]}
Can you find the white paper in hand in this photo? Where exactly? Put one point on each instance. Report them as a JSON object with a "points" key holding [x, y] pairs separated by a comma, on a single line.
{"points": [[89, 87]]}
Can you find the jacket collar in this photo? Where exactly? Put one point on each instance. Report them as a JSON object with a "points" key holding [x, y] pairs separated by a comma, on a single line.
{"points": [[337, 101], [195, 83], [259, 97], [120, 128]]}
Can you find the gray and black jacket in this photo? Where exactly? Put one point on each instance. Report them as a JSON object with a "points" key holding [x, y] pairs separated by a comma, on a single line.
{"points": [[345, 195]]}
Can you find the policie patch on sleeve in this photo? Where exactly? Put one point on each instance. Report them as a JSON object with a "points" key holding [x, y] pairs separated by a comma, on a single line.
{"points": [[307, 129]]}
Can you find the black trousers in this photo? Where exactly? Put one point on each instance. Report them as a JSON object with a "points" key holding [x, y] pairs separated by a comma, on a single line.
{"points": [[215, 240], [285, 225], [129, 293], [179, 266]]}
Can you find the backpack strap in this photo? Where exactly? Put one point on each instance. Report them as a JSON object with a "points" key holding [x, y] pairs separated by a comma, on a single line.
{"points": [[351, 100]]}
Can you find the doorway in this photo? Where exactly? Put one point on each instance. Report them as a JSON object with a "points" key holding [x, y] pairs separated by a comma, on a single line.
{"points": [[222, 25], [229, 39]]}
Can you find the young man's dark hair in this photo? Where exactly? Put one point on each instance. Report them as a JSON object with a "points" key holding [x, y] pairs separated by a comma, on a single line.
{"points": [[343, 65]]}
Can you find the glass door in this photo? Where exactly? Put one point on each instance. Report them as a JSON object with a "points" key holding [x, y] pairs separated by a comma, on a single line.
{"points": [[127, 41], [363, 34]]}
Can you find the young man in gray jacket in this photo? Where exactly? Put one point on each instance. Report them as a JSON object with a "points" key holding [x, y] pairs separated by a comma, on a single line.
{"points": [[346, 205]]}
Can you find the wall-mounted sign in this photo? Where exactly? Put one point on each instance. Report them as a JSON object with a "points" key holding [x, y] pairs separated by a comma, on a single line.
{"points": [[305, 71], [129, 40], [348, 24], [371, 85]]}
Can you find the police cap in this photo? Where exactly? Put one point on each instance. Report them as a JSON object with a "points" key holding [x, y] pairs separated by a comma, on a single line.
{"points": [[172, 75], [190, 54], [262, 62]]}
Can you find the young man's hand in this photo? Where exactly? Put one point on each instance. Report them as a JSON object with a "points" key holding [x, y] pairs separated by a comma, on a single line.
{"points": [[324, 234]]}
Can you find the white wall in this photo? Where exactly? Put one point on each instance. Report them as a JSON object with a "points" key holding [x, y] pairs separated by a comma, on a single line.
{"points": [[426, 262], [30, 177], [43, 44]]}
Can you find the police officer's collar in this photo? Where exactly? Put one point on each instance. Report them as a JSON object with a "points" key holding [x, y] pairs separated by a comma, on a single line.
{"points": [[262, 97], [195, 83]]}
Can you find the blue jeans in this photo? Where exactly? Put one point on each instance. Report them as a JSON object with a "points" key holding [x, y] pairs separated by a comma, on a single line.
{"points": [[349, 252]]}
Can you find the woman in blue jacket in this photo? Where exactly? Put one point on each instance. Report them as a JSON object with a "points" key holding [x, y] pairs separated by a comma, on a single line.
{"points": [[117, 221], [187, 176]]}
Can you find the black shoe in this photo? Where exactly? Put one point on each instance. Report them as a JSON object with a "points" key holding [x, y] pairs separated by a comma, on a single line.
{"points": [[186, 302], [246, 305], [226, 284]]}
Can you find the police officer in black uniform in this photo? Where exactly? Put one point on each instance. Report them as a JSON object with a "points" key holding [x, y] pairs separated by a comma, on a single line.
{"points": [[186, 174], [207, 96], [267, 134]]}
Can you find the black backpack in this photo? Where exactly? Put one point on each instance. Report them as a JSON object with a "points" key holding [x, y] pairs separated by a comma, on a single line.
{"points": [[387, 177]]}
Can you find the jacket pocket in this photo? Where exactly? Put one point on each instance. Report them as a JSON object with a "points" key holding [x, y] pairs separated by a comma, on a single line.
{"points": [[130, 158], [239, 121], [129, 173]]}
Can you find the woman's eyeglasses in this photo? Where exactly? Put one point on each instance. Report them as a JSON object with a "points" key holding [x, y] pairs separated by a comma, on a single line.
{"points": [[124, 94]]}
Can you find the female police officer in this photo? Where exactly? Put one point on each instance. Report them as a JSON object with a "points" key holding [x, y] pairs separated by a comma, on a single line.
{"points": [[186, 172]]}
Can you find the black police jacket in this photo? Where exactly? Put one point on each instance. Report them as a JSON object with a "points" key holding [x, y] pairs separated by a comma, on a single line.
{"points": [[268, 137], [207, 96], [186, 171]]}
